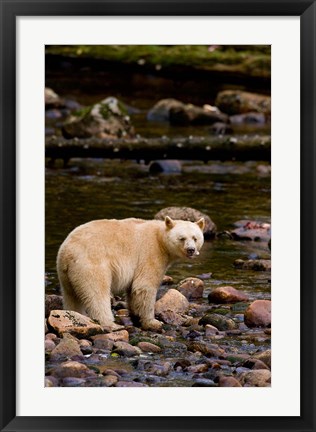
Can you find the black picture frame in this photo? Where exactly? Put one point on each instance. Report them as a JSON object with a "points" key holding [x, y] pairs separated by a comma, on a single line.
{"points": [[10, 9]]}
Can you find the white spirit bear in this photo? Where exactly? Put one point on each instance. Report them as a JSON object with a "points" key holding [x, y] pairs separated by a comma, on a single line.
{"points": [[103, 258]]}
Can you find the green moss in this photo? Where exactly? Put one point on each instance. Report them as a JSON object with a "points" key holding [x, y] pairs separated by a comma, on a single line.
{"points": [[251, 59]]}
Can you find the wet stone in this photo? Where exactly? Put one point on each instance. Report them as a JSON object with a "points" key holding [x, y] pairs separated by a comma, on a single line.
{"points": [[256, 378], [67, 348], [103, 344], [258, 314], [192, 288], [173, 300], [149, 347], [63, 321], [73, 382], [253, 264], [121, 335], [126, 349], [206, 348], [72, 369], [265, 357], [204, 382], [228, 381], [221, 322], [171, 317], [226, 294]]}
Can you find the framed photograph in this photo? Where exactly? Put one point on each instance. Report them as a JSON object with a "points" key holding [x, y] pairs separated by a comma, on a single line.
{"points": [[152, 109]]}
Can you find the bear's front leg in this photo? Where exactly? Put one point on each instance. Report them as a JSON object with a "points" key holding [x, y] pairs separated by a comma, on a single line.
{"points": [[142, 304]]}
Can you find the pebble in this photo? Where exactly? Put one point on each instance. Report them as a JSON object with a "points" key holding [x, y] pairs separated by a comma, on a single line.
{"points": [[204, 382], [255, 378]]}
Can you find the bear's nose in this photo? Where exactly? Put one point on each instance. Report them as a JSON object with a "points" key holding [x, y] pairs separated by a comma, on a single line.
{"points": [[190, 251]]}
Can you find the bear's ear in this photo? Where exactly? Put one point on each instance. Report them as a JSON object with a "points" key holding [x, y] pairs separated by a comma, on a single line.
{"points": [[169, 222], [201, 223]]}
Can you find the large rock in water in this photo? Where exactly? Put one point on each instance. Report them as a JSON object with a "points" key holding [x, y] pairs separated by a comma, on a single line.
{"points": [[226, 294], [106, 119], [240, 102], [188, 214], [258, 314], [179, 113], [173, 300]]}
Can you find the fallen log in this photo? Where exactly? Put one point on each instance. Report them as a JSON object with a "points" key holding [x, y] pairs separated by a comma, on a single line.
{"points": [[239, 148]]}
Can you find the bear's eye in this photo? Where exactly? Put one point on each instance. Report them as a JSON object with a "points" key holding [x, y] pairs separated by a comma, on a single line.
{"points": [[194, 239], [182, 238]]}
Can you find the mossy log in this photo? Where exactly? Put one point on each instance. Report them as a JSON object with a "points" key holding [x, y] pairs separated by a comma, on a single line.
{"points": [[239, 148]]}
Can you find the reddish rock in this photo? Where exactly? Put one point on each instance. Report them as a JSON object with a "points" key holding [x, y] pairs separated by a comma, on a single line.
{"points": [[197, 368], [255, 378], [49, 345], [63, 321], [251, 230], [265, 357], [149, 347], [67, 347], [126, 349], [121, 335], [206, 348], [72, 369], [258, 314], [226, 294], [171, 317], [173, 300], [255, 364], [109, 380], [228, 381], [192, 288]]}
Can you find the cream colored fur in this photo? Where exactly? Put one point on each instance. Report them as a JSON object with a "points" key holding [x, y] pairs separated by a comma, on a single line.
{"points": [[106, 257]]}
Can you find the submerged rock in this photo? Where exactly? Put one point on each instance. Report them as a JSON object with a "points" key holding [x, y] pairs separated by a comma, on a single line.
{"points": [[240, 102], [63, 321], [258, 314], [226, 294], [106, 119], [253, 264], [178, 113], [188, 214]]}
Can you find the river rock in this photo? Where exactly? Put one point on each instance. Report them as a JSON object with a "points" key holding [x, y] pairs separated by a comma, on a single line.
{"points": [[173, 300], [51, 381], [121, 335], [130, 384], [73, 382], [63, 321], [172, 317], [258, 314], [125, 349], [106, 119], [204, 382], [167, 280], [210, 331], [240, 102], [221, 322], [103, 344], [188, 214], [226, 294], [205, 348], [265, 357], [199, 368], [67, 348], [253, 264], [228, 381], [72, 369], [178, 113], [52, 302], [254, 364], [255, 378], [192, 288], [252, 230], [149, 347]]}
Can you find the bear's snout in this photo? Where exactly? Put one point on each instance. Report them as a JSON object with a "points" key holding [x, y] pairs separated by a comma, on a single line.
{"points": [[190, 251]]}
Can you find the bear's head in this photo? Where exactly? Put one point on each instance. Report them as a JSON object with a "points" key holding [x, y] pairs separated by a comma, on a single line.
{"points": [[184, 238]]}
